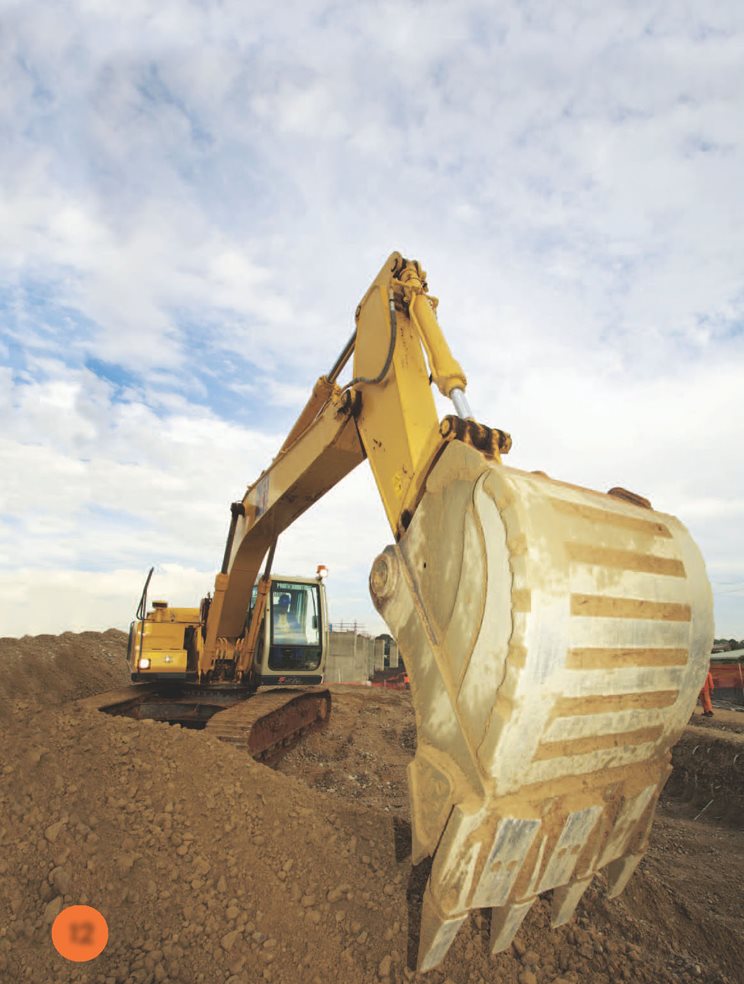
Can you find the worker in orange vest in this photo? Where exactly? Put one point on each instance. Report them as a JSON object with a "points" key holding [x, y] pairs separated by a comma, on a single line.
{"points": [[705, 695]]}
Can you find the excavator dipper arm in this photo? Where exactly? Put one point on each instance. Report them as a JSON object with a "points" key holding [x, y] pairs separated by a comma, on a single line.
{"points": [[555, 637]]}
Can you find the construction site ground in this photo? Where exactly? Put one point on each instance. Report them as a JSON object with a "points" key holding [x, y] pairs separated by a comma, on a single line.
{"points": [[210, 867]]}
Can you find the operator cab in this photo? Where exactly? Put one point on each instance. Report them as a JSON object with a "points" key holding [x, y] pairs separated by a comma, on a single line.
{"points": [[294, 640]]}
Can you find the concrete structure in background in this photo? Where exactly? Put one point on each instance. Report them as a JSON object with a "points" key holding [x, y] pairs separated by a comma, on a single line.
{"points": [[393, 657], [355, 657], [379, 654], [351, 658], [371, 659]]}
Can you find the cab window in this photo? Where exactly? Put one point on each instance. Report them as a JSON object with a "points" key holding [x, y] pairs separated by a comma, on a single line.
{"points": [[295, 626]]}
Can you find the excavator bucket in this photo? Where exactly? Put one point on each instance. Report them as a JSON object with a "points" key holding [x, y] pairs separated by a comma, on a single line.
{"points": [[556, 640]]}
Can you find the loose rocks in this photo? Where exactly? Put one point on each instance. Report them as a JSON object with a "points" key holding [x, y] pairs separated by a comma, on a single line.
{"points": [[210, 867]]}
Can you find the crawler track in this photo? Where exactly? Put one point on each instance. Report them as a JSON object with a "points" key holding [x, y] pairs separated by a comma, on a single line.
{"points": [[273, 721], [266, 724]]}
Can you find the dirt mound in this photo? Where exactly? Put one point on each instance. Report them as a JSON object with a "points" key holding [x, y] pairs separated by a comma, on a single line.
{"points": [[209, 867], [50, 670]]}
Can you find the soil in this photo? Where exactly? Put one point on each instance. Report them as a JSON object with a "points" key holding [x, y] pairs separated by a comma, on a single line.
{"points": [[49, 670], [211, 867], [724, 719]]}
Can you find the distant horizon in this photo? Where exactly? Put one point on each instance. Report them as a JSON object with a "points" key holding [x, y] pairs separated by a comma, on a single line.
{"points": [[114, 628]]}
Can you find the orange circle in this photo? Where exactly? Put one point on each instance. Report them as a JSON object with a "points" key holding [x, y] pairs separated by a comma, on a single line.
{"points": [[80, 933]]}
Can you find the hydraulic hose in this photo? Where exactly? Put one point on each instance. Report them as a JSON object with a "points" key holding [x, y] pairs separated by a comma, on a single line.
{"points": [[366, 380]]}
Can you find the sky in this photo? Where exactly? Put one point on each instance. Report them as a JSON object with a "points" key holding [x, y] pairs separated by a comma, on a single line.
{"points": [[194, 196]]}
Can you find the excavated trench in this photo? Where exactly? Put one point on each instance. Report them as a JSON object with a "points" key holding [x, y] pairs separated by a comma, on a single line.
{"points": [[707, 763], [184, 705], [266, 725], [708, 773]]}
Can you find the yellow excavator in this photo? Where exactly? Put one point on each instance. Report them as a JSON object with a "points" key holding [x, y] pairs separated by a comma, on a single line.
{"points": [[555, 637], [289, 633], [286, 633]]}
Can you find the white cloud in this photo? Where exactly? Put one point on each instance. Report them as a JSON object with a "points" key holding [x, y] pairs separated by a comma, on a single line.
{"points": [[50, 601], [113, 487], [197, 195]]}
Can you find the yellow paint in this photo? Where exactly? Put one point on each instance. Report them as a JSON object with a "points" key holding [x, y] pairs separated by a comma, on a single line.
{"points": [[398, 421], [160, 639]]}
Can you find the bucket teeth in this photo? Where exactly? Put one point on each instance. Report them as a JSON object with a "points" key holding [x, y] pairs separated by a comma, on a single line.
{"points": [[436, 934], [565, 900], [505, 923], [619, 872]]}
